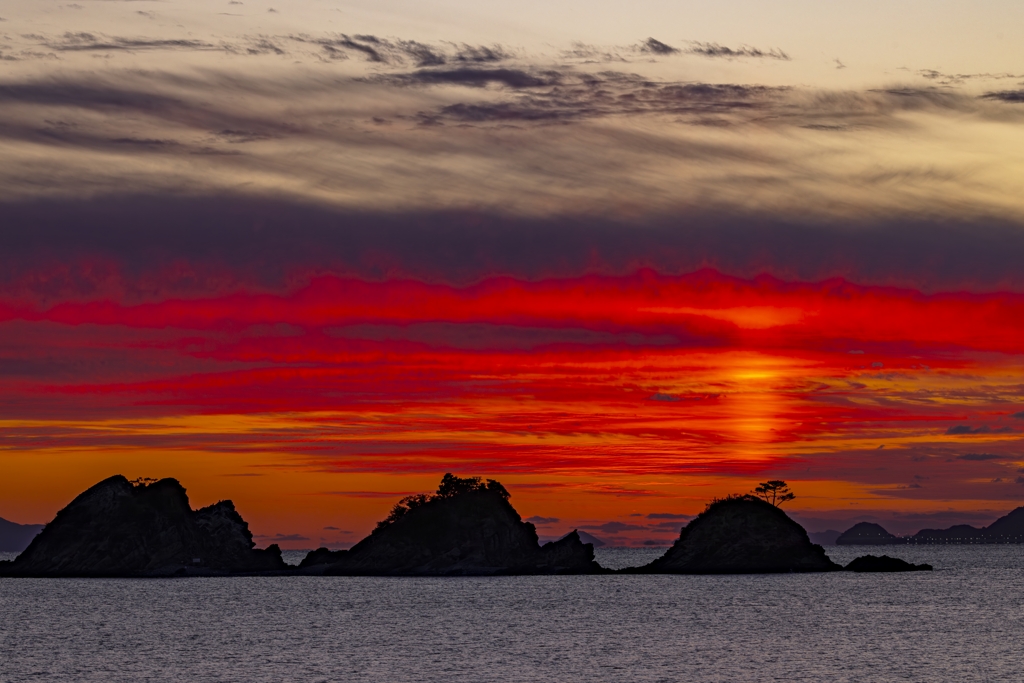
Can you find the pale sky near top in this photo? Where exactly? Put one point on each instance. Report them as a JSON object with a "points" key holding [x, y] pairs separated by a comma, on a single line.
{"points": [[877, 41]]}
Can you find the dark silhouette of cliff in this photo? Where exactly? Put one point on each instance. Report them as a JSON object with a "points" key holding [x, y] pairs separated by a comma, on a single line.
{"points": [[117, 529], [467, 528], [15, 537], [872, 563], [741, 535], [866, 533]]}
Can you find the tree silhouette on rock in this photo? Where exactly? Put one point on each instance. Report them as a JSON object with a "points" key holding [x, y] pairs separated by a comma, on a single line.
{"points": [[775, 492]]}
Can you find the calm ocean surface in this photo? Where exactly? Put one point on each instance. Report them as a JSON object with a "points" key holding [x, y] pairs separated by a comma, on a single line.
{"points": [[963, 622]]}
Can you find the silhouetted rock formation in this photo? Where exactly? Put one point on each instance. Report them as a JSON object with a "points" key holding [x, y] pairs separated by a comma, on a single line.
{"points": [[741, 535], [467, 528], [15, 537], [117, 529], [872, 563], [321, 556], [866, 533]]}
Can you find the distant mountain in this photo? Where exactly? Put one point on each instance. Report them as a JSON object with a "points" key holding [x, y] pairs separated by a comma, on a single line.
{"points": [[866, 533], [825, 537], [961, 533], [589, 538], [15, 537], [1006, 529], [1010, 527]]}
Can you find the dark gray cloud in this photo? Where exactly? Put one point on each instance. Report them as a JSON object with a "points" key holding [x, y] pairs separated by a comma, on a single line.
{"points": [[82, 42], [371, 48], [474, 77], [536, 519], [153, 114], [480, 54], [668, 515], [563, 96], [656, 47], [385, 51], [957, 79], [979, 457], [1018, 415], [338, 48], [266, 242], [424, 55], [1012, 96], [716, 50], [983, 429], [264, 46], [85, 95], [592, 53]]}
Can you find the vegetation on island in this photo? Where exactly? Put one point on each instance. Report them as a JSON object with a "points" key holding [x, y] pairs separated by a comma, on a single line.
{"points": [[450, 487]]}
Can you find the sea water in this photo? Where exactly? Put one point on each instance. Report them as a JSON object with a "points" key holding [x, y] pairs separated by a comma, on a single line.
{"points": [[962, 622]]}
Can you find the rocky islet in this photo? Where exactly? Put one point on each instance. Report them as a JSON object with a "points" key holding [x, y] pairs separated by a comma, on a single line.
{"points": [[741, 535], [120, 529]]}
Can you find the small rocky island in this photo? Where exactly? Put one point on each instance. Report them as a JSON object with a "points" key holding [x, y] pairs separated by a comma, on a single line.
{"points": [[467, 528], [741, 535], [120, 528], [871, 563]]}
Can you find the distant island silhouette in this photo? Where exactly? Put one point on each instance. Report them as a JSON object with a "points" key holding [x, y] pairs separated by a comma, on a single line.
{"points": [[468, 527], [884, 563], [14, 538], [1007, 529]]}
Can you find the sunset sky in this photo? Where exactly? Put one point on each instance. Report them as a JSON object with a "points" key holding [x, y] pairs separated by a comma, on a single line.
{"points": [[623, 257]]}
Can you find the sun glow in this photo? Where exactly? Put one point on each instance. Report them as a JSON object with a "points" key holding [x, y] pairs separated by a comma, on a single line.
{"points": [[566, 390]]}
